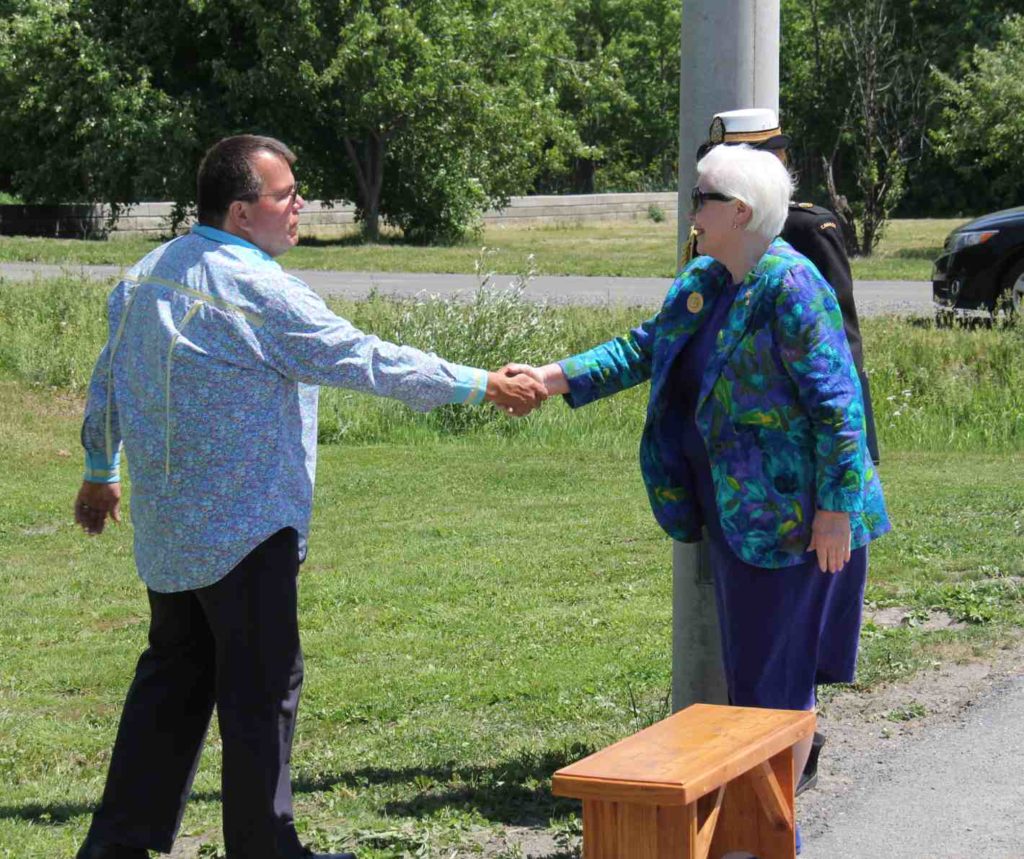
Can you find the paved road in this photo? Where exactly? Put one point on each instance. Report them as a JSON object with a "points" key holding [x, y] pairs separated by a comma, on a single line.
{"points": [[874, 297], [956, 793]]}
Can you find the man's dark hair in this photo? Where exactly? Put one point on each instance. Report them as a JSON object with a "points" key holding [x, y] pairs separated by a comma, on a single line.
{"points": [[227, 174]]}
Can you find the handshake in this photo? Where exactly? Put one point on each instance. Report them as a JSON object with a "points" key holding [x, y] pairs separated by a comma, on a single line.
{"points": [[520, 388]]}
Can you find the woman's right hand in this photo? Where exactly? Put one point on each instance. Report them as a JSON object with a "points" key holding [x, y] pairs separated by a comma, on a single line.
{"points": [[550, 376]]}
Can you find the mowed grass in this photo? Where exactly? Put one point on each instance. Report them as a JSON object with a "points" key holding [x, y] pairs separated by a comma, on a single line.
{"points": [[633, 249], [484, 601], [476, 612]]}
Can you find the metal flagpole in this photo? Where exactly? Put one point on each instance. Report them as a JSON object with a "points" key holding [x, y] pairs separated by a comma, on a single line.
{"points": [[729, 59]]}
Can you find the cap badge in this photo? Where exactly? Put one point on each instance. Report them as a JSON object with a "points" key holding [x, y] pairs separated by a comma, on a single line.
{"points": [[716, 134], [695, 302]]}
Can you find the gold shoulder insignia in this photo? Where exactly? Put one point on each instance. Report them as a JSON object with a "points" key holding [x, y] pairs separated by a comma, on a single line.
{"points": [[689, 249], [806, 205], [828, 225]]}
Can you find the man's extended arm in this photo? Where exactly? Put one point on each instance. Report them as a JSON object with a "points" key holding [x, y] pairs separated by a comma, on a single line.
{"points": [[305, 340]]}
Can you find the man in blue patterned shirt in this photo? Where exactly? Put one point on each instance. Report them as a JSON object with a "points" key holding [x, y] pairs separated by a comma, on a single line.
{"points": [[209, 380]]}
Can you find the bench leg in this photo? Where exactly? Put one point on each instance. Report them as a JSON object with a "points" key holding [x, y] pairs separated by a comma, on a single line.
{"points": [[621, 830], [757, 813]]}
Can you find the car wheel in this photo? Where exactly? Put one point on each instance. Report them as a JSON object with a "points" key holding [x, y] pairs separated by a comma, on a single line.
{"points": [[1013, 285], [1017, 296]]}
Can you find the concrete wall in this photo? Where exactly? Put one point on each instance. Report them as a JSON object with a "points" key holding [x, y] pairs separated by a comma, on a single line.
{"points": [[322, 221]]}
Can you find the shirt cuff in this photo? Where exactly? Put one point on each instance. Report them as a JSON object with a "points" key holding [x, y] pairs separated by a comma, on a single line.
{"points": [[99, 470], [470, 385]]}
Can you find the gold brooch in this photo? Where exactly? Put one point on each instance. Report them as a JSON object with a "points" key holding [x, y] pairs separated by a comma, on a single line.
{"points": [[695, 302]]}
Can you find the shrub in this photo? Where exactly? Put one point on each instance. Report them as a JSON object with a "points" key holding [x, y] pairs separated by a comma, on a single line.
{"points": [[497, 324], [656, 213]]}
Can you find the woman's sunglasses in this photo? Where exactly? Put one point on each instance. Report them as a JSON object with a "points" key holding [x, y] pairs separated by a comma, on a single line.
{"points": [[698, 198]]}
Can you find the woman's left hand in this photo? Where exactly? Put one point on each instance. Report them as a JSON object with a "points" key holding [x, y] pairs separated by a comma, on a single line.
{"points": [[830, 538]]}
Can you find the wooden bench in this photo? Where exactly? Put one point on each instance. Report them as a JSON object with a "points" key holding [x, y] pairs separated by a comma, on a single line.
{"points": [[705, 782]]}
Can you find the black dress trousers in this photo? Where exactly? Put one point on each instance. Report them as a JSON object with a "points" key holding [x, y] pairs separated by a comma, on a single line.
{"points": [[234, 644]]}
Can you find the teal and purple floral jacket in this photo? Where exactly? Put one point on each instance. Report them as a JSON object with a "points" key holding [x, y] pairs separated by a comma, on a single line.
{"points": [[780, 408]]}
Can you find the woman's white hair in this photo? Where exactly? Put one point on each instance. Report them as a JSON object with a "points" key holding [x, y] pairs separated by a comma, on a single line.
{"points": [[756, 177]]}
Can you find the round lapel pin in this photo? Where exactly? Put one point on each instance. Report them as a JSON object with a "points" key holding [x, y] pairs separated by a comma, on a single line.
{"points": [[695, 302]]}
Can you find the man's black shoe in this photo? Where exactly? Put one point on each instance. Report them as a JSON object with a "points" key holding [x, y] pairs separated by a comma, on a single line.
{"points": [[93, 849], [309, 854], [809, 777]]}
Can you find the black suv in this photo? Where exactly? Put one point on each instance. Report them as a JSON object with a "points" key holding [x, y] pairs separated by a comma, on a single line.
{"points": [[982, 265]]}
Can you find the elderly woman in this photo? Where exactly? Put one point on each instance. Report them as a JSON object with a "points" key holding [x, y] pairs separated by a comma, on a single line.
{"points": [[754, 433]]}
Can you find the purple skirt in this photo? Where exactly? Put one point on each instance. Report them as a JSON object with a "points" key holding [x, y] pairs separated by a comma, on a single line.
{"points": [[786, 630]]}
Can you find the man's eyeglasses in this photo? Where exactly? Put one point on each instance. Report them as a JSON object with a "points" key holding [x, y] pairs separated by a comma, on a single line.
{"points": [[288, 194], [698, 198]]}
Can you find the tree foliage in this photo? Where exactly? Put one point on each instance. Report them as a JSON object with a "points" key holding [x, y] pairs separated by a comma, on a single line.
{"points": [[984, 115], [426, 112], [421, 111], [80, 122], [825, 65], [620, 87]]}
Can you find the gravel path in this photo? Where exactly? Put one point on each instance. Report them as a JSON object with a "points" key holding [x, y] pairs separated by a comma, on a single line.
{"points": [[945, 784], [874, 297]]}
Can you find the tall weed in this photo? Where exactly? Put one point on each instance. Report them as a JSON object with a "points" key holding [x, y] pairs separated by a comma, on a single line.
{"points": [[497, 324], [52, 330], [947, 388], [951, 389]]}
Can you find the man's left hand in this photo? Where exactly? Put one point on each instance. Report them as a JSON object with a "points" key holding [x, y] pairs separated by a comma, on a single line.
{"points": [[95, 502]]}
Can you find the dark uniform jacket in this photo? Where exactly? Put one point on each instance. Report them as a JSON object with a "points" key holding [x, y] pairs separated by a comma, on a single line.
{"points": [[814, 231]]}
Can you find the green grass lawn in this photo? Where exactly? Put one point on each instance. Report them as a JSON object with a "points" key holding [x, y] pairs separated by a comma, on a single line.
{"points": [[476, 612], [477, 608], [636, 249]]}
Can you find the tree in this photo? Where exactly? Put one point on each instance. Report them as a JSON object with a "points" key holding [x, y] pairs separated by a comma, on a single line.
{"points": [[856, 100], [421, 111], [820, 77], [984, 115], [886, 117], [620, 86], [80, 124], [442, 107]]}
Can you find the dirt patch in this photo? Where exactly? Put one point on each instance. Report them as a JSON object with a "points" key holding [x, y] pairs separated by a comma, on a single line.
{"points": [[894, 616], [48, 402], [862, 729], [187, 846], [106, 625]]}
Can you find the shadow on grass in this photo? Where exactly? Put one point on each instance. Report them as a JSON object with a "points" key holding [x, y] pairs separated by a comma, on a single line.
{"points": [[42, 814], [917, 253], [978, 322], [516, 791], [353, 240], [357, 240]]}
